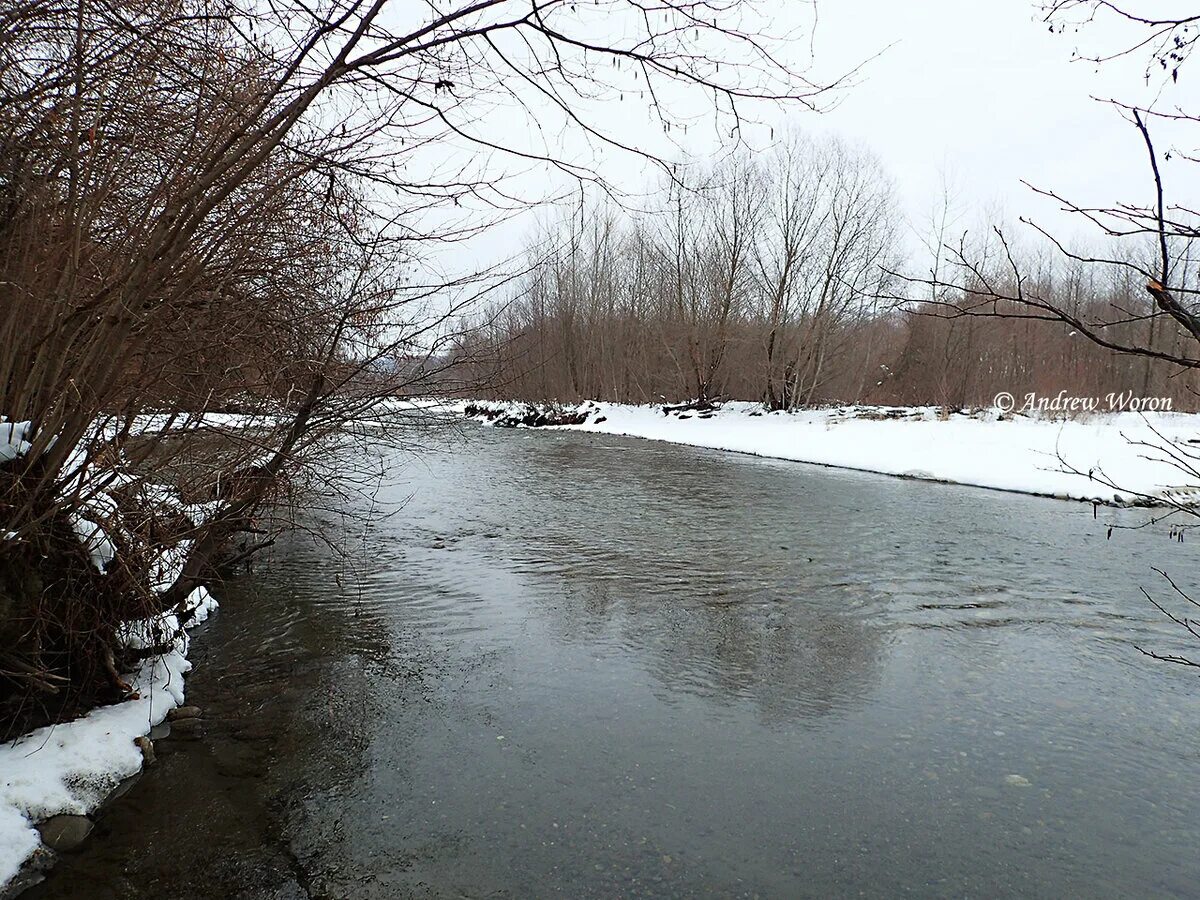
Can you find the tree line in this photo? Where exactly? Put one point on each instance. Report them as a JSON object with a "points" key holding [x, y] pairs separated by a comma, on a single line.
{"points": [[790, 278]]}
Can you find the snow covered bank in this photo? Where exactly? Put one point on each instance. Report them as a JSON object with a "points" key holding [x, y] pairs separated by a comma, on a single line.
{"points": [[1124, 458], [72, 768]]}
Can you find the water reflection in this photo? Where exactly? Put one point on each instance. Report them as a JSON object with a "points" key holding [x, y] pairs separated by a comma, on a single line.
{"points": [[278, 686], [594, 667]]}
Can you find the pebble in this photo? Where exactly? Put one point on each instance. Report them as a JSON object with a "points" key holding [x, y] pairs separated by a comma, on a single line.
{"points": [[147, 747], [188, 729], [65, 833], [121, 790]]}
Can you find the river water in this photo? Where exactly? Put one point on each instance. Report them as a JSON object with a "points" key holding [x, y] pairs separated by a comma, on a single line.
{"points": [[587, 666]]}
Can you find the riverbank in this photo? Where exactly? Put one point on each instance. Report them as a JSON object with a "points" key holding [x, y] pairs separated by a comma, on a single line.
{"points": [[55, 776], [1123, 459]]}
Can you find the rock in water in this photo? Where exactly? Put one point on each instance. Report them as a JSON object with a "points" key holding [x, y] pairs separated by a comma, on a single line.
{"points": [[187, 729], [65, 833], [147, 747]]}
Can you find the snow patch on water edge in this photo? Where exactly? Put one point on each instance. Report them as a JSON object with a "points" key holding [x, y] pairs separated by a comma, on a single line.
{"points": [[1121, 459], [72, 768]]}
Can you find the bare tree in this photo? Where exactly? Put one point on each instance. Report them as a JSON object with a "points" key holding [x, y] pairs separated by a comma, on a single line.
{"points": [[852, 265], [796, 221], [758, 280], [209, 204], [1150, 242]]}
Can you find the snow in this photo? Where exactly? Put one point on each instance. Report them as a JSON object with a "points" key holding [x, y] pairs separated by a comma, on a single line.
{"points": [[96, 540], [1107, 458], [167, 565], [13, 439], [73, 767]]}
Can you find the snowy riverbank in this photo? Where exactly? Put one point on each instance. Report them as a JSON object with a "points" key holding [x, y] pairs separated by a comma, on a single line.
{"points": [[1124, 458], [72, 768], [54, 777]]}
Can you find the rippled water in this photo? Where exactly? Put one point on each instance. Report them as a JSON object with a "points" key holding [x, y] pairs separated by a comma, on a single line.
{"points": [[587, 666]]}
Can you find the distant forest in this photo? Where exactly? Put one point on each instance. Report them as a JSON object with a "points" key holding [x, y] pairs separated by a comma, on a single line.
{"points": [[790, 279]]}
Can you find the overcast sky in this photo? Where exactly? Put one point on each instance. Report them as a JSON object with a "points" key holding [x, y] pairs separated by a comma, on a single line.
{"points": [[982, 90], [977, 92]]}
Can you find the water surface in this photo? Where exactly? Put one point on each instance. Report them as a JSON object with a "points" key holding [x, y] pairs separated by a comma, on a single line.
{"points": [[588, 666]]}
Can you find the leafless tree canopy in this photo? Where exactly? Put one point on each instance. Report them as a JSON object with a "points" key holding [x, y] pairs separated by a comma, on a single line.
{"points": [[219, 205], [1151, 243], [779, 279]]}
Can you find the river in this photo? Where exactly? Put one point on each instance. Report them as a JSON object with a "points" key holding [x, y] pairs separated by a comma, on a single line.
{"points": [[559, 664]]}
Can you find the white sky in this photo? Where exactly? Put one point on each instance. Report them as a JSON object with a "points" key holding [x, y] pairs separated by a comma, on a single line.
{"points": [[981, 90], [978, 92]]}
